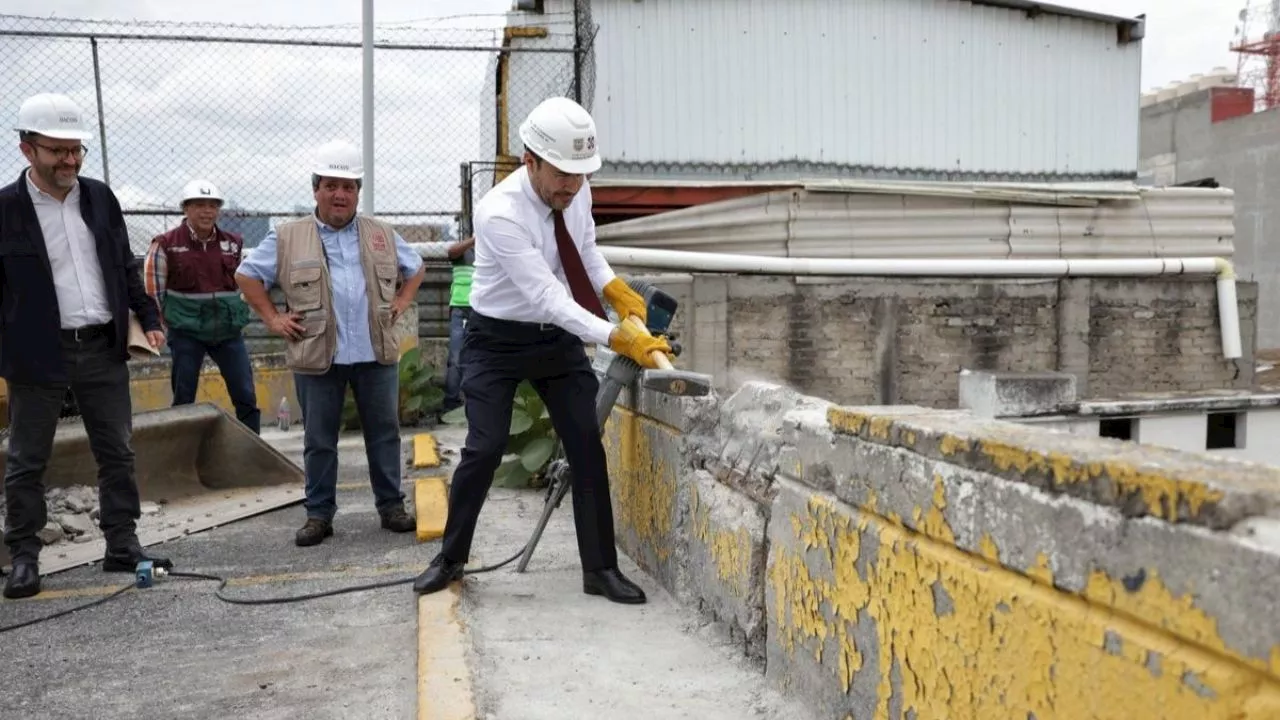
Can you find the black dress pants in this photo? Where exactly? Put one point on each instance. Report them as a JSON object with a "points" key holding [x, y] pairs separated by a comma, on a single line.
{"points": [[496, 356], [100, 383]]}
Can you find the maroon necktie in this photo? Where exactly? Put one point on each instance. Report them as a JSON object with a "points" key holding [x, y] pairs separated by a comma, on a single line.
{"points": [[574, 272]]}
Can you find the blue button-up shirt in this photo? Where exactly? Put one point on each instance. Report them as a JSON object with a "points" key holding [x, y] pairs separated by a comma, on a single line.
{"points": [[350, 299]]}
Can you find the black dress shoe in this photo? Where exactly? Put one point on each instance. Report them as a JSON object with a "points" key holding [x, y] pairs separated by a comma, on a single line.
{"points": [[23, 582], [613, 585], [126, 559], [437, 576]]}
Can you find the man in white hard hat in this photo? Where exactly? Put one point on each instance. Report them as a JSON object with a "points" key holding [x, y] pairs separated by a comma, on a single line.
{"points": [[346, 280], [191, 272], [68, 282], [534, 302]]}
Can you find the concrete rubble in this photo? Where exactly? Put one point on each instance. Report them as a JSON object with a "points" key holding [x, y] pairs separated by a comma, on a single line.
{"points": [[73, 515]]}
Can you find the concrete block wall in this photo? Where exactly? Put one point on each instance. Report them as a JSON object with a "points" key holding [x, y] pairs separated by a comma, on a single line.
{"points": [[906, 562], [905, 340]]}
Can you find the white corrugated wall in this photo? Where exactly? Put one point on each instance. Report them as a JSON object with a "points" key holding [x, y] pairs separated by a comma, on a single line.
{"points": [[1153, 222], [913, 88]]}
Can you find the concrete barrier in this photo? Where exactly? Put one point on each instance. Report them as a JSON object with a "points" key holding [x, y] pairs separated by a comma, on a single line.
{"points": [[905, 562], [150, 387]]}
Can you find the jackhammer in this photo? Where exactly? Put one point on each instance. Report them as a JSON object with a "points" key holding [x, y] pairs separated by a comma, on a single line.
{"points": [[621, 372]]}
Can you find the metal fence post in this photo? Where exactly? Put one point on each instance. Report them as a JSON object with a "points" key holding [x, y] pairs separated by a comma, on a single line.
{"points": [[367, 102], [464, 219], [102, 120], [577, 53]]}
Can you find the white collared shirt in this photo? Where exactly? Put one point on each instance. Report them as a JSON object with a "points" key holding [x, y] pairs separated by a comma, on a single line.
{"points": [[518, 275], [73, 257]]}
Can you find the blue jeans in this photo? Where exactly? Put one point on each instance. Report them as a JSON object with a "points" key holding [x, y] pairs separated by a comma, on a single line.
{"points": [[232, 359], [458, 317], [377, 394]]}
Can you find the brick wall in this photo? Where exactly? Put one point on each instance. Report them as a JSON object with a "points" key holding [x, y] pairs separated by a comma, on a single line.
{"points": [[902, 340]]}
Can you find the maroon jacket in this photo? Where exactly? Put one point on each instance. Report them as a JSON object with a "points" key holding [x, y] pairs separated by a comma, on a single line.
{"points": [[190, 266]]}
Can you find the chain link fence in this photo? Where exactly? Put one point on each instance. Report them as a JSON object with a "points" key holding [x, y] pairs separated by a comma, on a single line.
{"points": [[244, 107]]}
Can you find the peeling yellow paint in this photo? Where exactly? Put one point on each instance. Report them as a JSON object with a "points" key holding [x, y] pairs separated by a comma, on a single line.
{"points": [[972, 639], [644, 486], [729, 550], [1164, 496], [845, 420], [1161, 494], [987, 548], [880, 427], [952, 445], [1042, 570]]}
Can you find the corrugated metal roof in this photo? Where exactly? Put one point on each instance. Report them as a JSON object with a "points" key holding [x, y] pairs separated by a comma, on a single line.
{"points": [[934, 89], [1031, 6], [947, 221]]}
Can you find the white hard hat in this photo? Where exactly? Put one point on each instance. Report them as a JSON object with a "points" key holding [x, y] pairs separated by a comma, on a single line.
{"points": [[52, 115], [338, 159], [201, 190], [562, 132]]}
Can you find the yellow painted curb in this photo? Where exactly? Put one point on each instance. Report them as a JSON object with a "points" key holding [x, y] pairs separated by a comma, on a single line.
{"points": [[444, 680], [431, 504], [425, 454]]}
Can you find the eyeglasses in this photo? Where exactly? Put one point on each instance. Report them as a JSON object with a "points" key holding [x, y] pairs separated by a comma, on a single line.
{"points": [[62, 153]]}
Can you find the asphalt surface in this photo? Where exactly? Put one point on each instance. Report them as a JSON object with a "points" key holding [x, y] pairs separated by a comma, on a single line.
{"points": [[175, 651], [537, 646]]}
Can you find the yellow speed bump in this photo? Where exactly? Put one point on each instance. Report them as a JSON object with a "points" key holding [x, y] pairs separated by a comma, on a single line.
{"points": [[444, 680], [425, 452], [431, 502]]}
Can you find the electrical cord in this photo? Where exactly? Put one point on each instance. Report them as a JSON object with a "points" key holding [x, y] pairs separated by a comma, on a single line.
{"points": [[222, 584], [68, 611]]}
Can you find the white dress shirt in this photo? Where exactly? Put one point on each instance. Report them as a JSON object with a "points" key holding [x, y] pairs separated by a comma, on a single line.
{"points": [[73, 257], [518, 275]]}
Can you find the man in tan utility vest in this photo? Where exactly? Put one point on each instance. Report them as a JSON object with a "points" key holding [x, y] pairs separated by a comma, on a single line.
{"points": [[346, 279]]}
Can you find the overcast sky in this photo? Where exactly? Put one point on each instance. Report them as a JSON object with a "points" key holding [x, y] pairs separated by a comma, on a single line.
{"points": [[162, 99]]}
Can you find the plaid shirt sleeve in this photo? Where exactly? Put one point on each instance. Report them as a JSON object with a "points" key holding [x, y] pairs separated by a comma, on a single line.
{"points": [[155, 269]]}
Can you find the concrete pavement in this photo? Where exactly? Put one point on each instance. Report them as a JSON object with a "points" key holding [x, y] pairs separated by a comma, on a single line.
{"points": [[506, 646]]}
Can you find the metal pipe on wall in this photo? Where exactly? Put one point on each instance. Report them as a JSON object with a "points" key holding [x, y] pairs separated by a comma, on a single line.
{"points": [[366, 193]]}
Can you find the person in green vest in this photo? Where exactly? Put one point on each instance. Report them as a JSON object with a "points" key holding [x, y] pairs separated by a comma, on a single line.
{"points": [[463, 256]]}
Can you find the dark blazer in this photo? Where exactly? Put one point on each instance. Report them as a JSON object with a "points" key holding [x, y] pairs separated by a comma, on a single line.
{"points": [[30, 343]]}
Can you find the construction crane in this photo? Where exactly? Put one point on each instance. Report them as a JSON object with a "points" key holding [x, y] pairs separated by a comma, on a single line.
{"points": [[1257, 45]]}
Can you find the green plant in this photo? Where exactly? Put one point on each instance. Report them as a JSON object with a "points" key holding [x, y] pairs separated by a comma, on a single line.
{"points": [[419, 393], [531, 441]]}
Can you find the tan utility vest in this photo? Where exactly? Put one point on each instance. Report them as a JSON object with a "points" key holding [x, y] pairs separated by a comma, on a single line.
{"points": [[303, 275]]}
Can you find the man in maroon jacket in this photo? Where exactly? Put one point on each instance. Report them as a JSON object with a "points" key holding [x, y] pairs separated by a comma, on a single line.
{"points": [[190, 271]]}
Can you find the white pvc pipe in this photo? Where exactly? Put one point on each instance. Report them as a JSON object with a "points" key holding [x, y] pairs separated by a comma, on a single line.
{"points": [[686, 261], [1228, 312]]}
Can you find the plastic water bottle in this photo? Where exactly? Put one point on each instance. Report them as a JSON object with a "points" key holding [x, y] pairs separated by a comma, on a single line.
{"points": [[282, 415]]}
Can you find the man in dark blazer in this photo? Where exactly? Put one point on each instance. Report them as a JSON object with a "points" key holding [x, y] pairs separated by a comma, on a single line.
{"points": [[68, 281]]}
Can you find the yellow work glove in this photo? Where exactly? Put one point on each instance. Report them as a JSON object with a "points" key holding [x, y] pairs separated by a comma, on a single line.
{"points": [[624, 300], [636, 343]]}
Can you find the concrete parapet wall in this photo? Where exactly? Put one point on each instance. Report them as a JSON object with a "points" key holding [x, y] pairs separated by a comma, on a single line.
{"points": [[904, 562]]}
